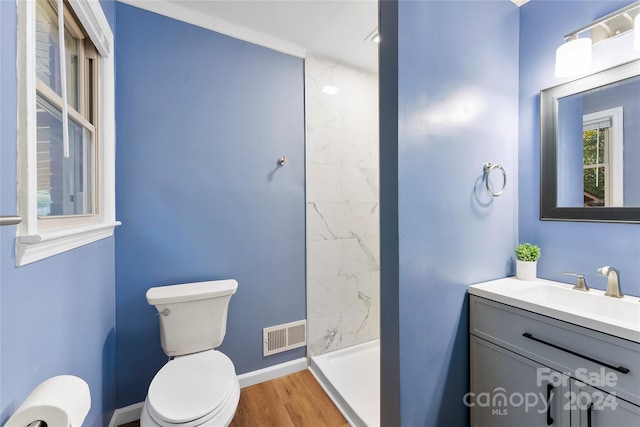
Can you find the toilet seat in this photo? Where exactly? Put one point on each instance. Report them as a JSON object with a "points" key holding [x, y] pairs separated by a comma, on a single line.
{"points": [[190, 390]]}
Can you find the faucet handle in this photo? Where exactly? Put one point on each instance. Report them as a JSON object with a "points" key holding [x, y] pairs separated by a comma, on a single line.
{"points": [[581, 284], [605, 270]]}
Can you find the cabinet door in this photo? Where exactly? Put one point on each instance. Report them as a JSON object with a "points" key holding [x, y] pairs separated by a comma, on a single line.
{"points": [[591, 407], [509, 390]]}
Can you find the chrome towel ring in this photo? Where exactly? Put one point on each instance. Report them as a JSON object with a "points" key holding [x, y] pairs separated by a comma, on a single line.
{"points": [[488, 167]]}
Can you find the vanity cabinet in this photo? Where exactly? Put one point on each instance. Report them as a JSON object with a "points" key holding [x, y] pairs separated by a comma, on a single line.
{"points": [[527, 369], [505, 387], [591, 407]]}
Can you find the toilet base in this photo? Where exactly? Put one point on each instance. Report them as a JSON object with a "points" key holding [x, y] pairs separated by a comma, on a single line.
{"points": [[223, 419]]}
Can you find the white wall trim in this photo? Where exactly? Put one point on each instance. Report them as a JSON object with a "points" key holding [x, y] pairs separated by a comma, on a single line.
{"points": [[126, 415], [175, 11], [34, 247], [95, 23], [272, 372]]}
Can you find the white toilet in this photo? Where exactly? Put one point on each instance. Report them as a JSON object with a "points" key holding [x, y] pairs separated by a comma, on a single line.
{"points": [[199, 386]]}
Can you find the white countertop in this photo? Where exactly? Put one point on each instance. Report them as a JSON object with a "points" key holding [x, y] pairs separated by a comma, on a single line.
{"points": [[593, 310]]}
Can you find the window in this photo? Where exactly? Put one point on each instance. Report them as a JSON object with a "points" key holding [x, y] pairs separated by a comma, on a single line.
{"points": [[66, 127], [65, 167], [603, 158]]}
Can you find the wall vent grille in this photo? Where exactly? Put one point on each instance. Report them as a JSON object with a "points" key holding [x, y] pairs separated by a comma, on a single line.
{"points": [[279, 338]]}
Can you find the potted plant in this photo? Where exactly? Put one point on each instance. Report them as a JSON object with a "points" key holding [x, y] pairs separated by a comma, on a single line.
{"points": [[526, 261]]}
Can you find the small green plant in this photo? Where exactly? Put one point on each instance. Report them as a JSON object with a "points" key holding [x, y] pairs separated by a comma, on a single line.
{"points": [[527, 252]]}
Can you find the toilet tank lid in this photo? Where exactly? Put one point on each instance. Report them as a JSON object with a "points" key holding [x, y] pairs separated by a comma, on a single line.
{"points": [[191, 291]]}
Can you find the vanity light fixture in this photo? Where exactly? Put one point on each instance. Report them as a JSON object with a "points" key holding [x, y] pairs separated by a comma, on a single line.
{"points": [[636, 35], [574, 57]]}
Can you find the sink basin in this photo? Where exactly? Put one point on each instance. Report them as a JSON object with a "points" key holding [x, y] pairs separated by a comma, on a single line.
{"points": [[618, 317]]}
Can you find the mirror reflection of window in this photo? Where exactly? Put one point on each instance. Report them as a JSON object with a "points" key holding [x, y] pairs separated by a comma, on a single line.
{"points": [[596, 166], [602, 154]]}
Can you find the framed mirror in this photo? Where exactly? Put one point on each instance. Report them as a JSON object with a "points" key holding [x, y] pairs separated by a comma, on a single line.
{"points": [[590, 147]]}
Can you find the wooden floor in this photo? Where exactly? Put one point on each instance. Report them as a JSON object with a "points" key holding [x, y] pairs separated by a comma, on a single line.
{"points": [[293, 400]]}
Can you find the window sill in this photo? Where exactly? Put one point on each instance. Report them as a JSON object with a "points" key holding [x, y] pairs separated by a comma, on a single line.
{"points": [[34, 247]]}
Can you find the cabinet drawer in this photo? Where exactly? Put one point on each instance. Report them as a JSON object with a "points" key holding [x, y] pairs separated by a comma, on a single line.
{"points": [[581, 353]]}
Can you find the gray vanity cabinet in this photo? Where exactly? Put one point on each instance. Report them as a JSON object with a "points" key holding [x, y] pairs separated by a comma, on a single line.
{"points": [[506, 391], [591, 407], [532, 370]]}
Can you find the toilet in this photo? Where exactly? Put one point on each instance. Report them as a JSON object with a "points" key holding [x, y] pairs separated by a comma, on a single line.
{"points": [[198, 386]]}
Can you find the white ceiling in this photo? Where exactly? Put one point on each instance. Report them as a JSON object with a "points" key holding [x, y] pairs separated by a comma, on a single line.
{"points": [[335, 29]]}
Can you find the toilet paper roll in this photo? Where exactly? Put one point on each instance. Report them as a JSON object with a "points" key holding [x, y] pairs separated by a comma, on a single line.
{"points": [[60, 401]]}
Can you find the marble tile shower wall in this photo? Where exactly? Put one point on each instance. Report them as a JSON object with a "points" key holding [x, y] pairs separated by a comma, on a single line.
{"points": [[343, 239]]}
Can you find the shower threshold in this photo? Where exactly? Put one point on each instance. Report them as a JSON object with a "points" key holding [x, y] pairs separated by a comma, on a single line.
{"points": [[351, 378]]}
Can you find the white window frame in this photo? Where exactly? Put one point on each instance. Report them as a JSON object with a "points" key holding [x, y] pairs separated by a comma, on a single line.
{"points": [[614, 193], [34, 243]]}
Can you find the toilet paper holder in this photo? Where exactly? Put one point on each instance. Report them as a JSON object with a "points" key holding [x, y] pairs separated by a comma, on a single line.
{"points": [[38, 424]]}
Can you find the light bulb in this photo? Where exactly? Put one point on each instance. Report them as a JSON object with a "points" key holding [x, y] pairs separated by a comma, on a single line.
{"points": [[573, 57]]}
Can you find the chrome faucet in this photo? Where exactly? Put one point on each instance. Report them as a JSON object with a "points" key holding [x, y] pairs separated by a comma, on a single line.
{"points": [[613, 281]]}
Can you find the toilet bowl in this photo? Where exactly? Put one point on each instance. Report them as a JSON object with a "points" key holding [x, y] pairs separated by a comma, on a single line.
{"points": [[201, 389], [199, 386]]}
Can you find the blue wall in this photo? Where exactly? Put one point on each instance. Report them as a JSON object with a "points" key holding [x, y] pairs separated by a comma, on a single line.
{"points": [[202, 120], [458, 109], [566, 246], [57, 316]]}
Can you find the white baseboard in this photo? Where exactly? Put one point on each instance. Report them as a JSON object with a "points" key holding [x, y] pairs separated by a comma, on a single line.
{"points": [[126, 415], [132, 412], [272, 372]]}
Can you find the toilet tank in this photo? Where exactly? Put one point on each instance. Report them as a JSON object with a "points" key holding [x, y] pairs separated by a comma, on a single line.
{"points": [[193, 316]]}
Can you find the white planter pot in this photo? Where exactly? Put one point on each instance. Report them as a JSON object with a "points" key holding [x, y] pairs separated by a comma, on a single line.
{"points": [[526, 270]]}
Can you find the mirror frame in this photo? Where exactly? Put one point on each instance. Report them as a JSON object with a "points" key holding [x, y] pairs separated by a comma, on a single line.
{"points": [[549, 210]]}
